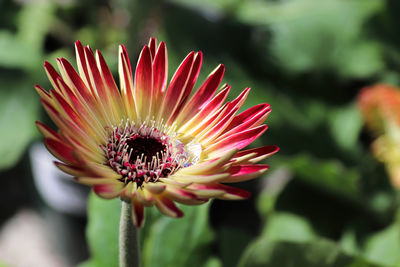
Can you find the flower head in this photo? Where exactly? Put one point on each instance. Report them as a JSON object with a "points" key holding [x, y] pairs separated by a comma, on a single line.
{"points": [[380, 106], [148, 142]]}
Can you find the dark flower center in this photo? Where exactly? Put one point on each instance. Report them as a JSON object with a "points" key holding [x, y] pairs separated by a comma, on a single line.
{"points": [[143, 154], [144, 148]]}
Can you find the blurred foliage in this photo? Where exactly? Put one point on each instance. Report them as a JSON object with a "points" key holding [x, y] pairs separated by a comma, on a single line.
{"points": [[325, 202], [102, 231], [164, 241]]}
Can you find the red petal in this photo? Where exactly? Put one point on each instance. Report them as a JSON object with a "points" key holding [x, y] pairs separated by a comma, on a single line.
{"points": [[126, 57], [98, 88], [250, 118], [108, 191], [42, 93], [85, 114], [189, 85], [167, 207], [69, 111], [82, 64], [248, 114], [152, 45], [160, 73], [260, 153], [210, 166], [203, 179], [177, 86], [143, 84], [52, 74], [137, 213], [71, 169], [209, 121], [241, 98], [233, 192], [203, 95], [60, 150], [241, 173], [109, 80], [126, 82], [184, 196], [229, 192], [238, 140], [203, 116], [77, 81], [160, 66], [94, 78], [155, 188], [47, 131], [219, 126]]}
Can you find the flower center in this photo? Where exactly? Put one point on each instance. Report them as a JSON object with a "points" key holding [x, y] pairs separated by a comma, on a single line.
{"points": [[144, 154], [146, 147]]}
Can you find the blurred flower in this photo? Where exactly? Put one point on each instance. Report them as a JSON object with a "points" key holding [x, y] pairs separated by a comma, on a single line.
{"points": [[380, 106], [146, 143]]}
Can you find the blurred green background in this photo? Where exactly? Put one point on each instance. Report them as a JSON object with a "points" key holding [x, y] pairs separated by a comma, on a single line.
{"points": [[325, 201]]}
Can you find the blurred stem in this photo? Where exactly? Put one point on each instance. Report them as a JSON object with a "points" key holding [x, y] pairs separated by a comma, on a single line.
{"points": [[129, 247]]}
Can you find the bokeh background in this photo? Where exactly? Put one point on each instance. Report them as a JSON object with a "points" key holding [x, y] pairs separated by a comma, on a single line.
{"points": [[326, 201]]}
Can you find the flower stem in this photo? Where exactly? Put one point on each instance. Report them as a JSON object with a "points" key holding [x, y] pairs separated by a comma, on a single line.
{"points": [[129, 247]]}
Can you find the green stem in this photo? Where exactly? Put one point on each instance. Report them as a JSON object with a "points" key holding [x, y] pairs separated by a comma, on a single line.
{"points": [[129, 248]]}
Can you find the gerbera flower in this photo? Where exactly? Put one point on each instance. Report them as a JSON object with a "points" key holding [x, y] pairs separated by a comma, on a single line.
{"points": [[149, 143]]}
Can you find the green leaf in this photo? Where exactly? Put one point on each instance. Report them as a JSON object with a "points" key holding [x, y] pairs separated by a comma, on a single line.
{"points": [[348, 242], [102, 231], [289, 240], [13, 52], [166, 241], [312, 35], [288, 227], [330, 175], [179, 242], [346, 124], [211, 7], [24, 49], [364, 58], [18, 112], [34, 21], [232, 242], [383, 247], [316, 253], [213, 262]]}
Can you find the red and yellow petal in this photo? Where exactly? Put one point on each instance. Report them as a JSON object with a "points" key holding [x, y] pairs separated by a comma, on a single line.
{"points": [[160, 74], [60, 150], [107, 191], [177, 87], [137, 213], [126, 83], [202, 179], [256, 154], [208, 111], [235, 141], [167, 206], [71, 169], [202, 96], [208, 167], [240, 173], [183, 196], [143, 85]]}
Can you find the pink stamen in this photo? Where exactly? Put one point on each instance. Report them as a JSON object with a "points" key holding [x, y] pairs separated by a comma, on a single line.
{"points": [[143, 154]]}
